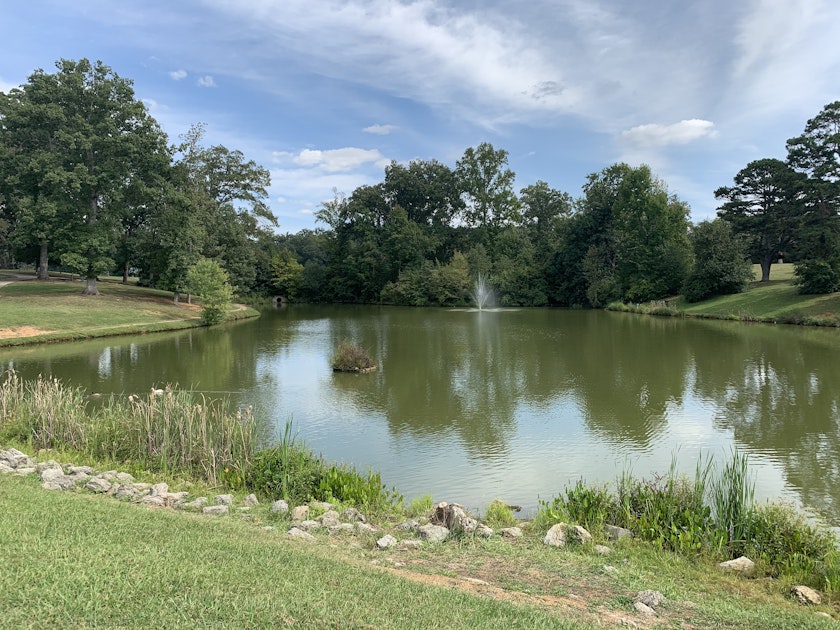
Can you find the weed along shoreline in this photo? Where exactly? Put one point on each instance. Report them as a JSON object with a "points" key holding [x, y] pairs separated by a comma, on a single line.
{"points": [[191, 474]]}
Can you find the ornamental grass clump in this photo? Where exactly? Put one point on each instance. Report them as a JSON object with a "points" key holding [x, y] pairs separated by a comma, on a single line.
{"points": [[350, 357]]}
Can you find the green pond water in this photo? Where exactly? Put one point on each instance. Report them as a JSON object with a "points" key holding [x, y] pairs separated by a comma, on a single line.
{"points": [[471, 406]]}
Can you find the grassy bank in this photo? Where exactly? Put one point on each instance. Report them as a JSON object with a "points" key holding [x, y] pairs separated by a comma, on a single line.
{"points": [[75, 560], [35, 312], [777, 301]]}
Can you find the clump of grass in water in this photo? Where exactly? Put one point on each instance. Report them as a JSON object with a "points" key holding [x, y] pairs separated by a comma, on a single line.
{"points": [[350, 357]]}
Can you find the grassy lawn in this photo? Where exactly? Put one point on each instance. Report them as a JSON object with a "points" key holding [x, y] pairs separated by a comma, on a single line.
{"points": [[74, 560], [56, 310], [777, 299]]}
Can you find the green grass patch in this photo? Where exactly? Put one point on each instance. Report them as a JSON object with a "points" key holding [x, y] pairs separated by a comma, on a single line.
{"points": [[79, 561], [33, 312]]}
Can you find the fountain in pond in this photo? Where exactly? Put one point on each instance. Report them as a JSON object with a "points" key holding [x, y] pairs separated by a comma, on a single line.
{"points": [[482, 293]]}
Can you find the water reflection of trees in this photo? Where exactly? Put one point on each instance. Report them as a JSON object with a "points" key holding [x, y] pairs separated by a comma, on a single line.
{"points": [[775, 389]]}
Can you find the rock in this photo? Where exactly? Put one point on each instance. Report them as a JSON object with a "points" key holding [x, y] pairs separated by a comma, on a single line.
{"points": [[109, 475], [352, 515], [741, 565], [299, 533], [22, 471], [617, 533], [300, 512], [644, 609], [651, 599], [224, 499], [433, 533], [341, 528], [195, 504], [329, 518], [823, 614], [408, 526], [215, 510], [251, 499], [386, 541], [556, 536], [42, 466], [157, 490], [123, 477], [97, 484], [48, 474], [5, 468], [153, 501], [511, 532], [454, 518], [602, 550], [174, 498], [806, 595], [61, 482], [126, 491], [580, 535], [80, 476], [141, 487], [411, 544], [280, 506], [85, 470], [322, 505], [14, 458], [308, 525], [364, 528], [484, 531]]}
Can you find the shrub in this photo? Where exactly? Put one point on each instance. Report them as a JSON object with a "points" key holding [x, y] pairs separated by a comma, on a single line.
{"points": [[499, 515], [589, 506], [346, 485], [287, 471], [420, 506], [209, 282], [350, 357], [815, 277]]}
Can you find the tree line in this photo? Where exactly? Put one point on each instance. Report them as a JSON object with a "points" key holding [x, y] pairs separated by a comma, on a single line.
{"points": [[88, 178]]}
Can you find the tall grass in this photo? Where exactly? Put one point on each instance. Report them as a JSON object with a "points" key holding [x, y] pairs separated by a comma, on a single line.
{"points": [[169, 431]]}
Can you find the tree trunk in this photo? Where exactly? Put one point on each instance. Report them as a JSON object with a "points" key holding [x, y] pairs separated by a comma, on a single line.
{"points": [[90, 286], [125, 273], [766, 261], [176, 297], [44, 262]]}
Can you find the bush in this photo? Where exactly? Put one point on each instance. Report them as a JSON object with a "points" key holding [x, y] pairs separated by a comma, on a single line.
{"points": [[351, 358], [346, 485], [814, 277], [287, 471], [499, 515], [209, 282]]}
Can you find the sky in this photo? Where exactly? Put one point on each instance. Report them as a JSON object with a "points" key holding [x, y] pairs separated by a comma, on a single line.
{"points": [[326, 93]]}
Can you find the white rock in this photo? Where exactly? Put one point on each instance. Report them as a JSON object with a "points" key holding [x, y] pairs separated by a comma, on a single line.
{"points": [[602, 550], [386, 541], [59, 483], [300, 512], [48, 474], [739, 565], [123, 477], [556, 536], [251, 499], [224, 499], [433, 533], [806, 595], [644, 609], [87, 470], [364, 528], [153, 501], [294, 532], [23, 471], [308, 525], [196, 503], [14, 458], [280, 506], [652, 599], [215, 510], [616, 533], [411, 544], [157, 490], [511, 532], [581, 535], [97, 484], [483, 531]]}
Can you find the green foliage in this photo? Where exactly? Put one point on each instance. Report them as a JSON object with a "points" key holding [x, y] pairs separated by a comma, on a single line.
{"points": [[287, 471], [209, 282], [350, 357], [720, 262], [814, 277], [346, 485], [499, 515], [286, 273], [419, 506]]}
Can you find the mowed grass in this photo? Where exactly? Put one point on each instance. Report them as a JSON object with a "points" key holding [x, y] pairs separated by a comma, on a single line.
{"points": [[74, 560], [776, 300], [55, 311], [80, 561]]}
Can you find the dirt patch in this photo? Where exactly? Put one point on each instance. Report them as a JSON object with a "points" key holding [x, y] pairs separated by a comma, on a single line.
{"points": [[22, 331]]}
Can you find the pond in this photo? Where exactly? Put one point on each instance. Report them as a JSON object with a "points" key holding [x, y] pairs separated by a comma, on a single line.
{"points": [[470, 406]]}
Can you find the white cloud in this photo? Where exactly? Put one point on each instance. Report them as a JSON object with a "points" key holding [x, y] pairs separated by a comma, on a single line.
{"points": [[206, 81], [380, 130], [177, 75], [334, 160], [682, 132]]}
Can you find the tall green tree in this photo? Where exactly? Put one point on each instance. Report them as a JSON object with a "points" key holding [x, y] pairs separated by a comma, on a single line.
{"points": [[486, 183], [765, 206], [81, 139], [721, 265]]}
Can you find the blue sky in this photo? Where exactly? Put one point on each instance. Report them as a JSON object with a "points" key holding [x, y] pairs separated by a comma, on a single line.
{"points": [[325, 93]]}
